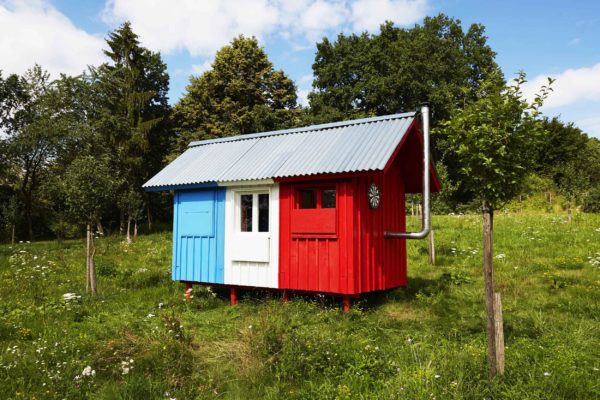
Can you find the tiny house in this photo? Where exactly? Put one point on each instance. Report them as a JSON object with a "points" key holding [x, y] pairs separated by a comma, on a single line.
{"points": [[304, 210]]}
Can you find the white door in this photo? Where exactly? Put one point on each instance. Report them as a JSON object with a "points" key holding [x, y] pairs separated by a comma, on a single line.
{"points": [[252, 236]]}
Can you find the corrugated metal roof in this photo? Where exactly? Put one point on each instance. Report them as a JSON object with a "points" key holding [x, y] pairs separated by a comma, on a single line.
{"points": [[348, 146]]}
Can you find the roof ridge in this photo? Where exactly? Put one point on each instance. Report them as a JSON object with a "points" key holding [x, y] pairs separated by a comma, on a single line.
{"points": [[307, 128]]}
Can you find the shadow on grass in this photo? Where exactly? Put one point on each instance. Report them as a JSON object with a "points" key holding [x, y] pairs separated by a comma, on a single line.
{"points": [[366, 301]]}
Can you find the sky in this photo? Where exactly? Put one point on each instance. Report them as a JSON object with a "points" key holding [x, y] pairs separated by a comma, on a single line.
{"points": [[540, 37]]}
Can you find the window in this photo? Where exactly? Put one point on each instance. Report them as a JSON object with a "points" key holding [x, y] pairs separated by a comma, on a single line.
{"points": [[308, 198], [263, 212], [328, 198], [253, 212], [317, 198], [246, 212]]}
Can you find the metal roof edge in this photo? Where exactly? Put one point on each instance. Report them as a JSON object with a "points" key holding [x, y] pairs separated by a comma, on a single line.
{"points": [[304, 129], [162, 188]]}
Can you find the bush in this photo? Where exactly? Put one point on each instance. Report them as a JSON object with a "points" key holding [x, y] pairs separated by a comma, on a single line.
{"points": [[592, 202]]}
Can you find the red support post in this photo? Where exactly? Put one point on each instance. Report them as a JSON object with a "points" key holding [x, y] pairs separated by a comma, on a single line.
{"points": [[285, 296], [233, 296], [188, 291], [347, 302]]}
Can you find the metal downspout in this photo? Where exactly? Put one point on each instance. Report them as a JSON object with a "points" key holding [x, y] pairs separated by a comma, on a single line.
{"points": [[426, 203]]}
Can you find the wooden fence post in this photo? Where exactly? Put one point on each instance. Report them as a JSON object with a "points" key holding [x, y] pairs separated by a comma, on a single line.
{"points": [[499, 332]]}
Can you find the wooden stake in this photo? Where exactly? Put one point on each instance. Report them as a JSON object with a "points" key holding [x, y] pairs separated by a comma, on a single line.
{"points": [[93, 266], [431, 247], [87, 258], [285, 297], [488, 277], [499, 325]]}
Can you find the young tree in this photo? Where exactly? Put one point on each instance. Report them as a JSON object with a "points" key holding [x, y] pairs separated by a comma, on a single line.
{"points": [[133, 204], [242, 93], [88, 185], [494, 140]]}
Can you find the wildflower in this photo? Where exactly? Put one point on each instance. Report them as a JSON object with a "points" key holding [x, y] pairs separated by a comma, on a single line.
{"points": [[125, 370], [436, 376], [501, 256], [151, 315], [160, 305], [88, 371], [546, 373]]}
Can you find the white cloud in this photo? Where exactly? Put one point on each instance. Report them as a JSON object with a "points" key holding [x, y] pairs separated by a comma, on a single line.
{"points": [[303, 96], [35, 32], [202, 27], [572, 86], [199, 69], [369, 14]]}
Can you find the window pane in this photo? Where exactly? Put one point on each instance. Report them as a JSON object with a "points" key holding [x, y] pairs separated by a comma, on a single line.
{"points": [[308, 198], [328, 198], [246, 213], [263, 213]]}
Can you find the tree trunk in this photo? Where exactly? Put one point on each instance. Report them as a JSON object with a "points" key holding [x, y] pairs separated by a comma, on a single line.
{"points": [[87, 257], [128, 230], [29, 222], [135, 230], [93, 266], [100, 228], [12, 237], [121, 223], [149, 214], [488, 276]]}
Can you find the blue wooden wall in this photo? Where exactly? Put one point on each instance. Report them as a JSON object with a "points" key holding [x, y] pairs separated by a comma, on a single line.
{"points": [[198, 235]]}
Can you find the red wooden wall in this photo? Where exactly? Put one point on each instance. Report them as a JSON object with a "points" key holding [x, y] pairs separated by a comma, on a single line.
{"points": [[343, 251]]}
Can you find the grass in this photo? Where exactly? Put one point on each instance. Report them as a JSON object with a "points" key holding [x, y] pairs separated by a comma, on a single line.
{"points": [[425, 341]]}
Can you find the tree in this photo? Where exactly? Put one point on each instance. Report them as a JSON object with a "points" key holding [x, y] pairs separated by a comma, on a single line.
{"points": [[88, 184], [399, 69], [494, 140], [9, 214], [133, 119], [564, 143], [241, 93], [29, 121]]}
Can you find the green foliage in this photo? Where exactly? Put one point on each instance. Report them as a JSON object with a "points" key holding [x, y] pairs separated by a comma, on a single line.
{"points": [[494, 140], [241, 93], [398, 69], [89, 185], [592, 201]]}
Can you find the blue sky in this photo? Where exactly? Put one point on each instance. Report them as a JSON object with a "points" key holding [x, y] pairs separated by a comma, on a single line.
{"points": [[543, 38]]}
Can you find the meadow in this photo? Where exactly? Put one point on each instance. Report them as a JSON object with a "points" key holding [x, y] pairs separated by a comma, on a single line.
{"points": [[139, 339]]}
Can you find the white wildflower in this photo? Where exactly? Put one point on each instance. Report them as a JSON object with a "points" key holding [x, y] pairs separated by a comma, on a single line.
{"points": [[151, 315], [88, 371], [501, 256], [546, 373]]}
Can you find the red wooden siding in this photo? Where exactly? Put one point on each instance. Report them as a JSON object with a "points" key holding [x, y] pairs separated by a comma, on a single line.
{"points": [[342, 250], [311, 257]]}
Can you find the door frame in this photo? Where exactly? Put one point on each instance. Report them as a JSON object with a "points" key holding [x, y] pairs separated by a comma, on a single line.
{"points": [[254, 274]]}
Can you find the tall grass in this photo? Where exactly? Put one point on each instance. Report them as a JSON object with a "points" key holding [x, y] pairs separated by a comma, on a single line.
{"points": [[141, 340]]}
